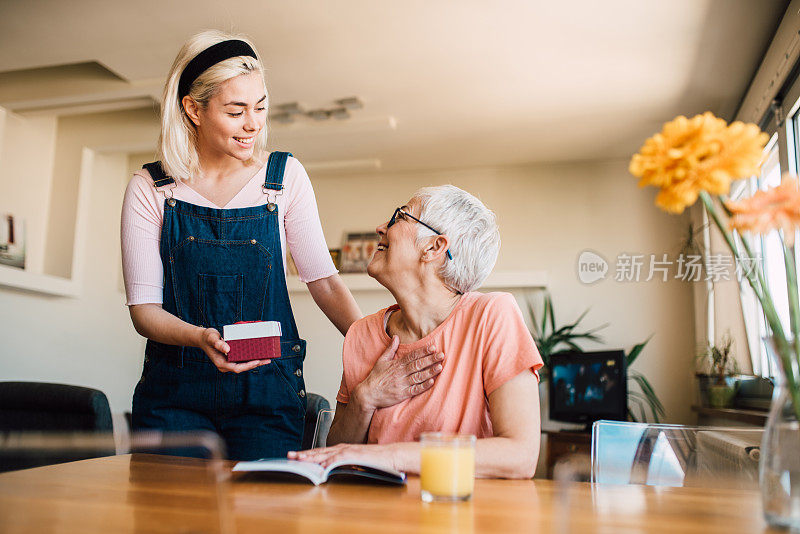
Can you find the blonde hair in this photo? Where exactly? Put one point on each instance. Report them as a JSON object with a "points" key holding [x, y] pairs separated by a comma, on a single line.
{"points": [[177, 145]]}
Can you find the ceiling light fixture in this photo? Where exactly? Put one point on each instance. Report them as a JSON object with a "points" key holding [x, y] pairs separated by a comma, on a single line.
{"points": [[282, 117], [319, 114], [292, 108], [352, 102], [289, 112], [339, 113]]}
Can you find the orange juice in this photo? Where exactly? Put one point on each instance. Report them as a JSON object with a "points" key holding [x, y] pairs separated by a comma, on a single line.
{"points": [[447, 467]]}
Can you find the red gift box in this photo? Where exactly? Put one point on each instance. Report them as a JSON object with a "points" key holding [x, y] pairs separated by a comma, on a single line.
{"points": [[253, 340]]}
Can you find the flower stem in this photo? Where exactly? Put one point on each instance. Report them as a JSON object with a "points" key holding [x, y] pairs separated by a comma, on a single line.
{"points": [[794, 312], [787, 352], [791, 289], [748, 250], [757, 282]]}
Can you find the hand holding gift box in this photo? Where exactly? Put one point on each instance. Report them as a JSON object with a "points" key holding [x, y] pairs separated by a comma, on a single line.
{"points": [[253, 340]]}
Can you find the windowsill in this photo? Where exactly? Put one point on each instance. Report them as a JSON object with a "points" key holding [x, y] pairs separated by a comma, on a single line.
{"points": [[752, 417]]}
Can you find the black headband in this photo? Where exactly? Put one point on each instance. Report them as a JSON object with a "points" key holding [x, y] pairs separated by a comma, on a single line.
{"points": [[211, 56]]}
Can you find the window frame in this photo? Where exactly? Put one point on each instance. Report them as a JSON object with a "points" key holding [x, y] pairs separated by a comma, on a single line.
{"points": [[781, 119]]}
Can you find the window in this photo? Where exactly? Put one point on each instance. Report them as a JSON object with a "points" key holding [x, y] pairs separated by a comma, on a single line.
{"points": [[769, 249], [782, 154]]}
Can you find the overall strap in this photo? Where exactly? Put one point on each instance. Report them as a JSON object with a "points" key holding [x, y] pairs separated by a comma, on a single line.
{"points": [[158, 175], [275, 167]]}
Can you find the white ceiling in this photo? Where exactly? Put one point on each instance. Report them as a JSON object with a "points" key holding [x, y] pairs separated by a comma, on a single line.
{"points": [[468, 82]]}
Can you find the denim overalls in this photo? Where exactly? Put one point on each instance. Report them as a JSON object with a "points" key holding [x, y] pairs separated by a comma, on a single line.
{"points": [[222, 266]]}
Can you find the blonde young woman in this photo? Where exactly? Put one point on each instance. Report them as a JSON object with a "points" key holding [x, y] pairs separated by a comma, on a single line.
{"points": [[204, 236]]}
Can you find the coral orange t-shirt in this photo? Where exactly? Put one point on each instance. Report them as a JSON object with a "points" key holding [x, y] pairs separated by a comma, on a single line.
{"points": [[485, 344]]}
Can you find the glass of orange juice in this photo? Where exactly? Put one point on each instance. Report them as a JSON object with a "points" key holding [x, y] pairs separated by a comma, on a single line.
{"points": [[447, 467]]}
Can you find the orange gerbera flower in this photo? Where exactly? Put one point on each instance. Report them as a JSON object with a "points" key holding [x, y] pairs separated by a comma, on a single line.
{"points": [[698, 154], [778, 207]]}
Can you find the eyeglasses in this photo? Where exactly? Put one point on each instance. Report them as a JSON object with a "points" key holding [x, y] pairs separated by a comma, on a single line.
{"points": [[402, 213]]}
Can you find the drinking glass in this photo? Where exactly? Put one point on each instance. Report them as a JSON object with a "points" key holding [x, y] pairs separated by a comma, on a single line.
{"points": [[447, 467]]}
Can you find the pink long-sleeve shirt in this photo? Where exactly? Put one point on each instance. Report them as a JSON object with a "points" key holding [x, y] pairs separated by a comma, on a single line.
{"points": [[143, 214]]}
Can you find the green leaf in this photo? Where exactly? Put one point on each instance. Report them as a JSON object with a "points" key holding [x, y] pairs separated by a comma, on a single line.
{"points": [[547, 305], [581, 316], [536, 333], [636, 350], [647, 394], [640, 404]]}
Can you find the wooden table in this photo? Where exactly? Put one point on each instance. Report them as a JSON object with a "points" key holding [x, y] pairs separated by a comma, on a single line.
{"points": [[564, 443], [143, 493]]}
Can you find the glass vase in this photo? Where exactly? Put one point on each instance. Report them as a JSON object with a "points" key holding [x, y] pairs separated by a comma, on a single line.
{"points": [[780, 453]]}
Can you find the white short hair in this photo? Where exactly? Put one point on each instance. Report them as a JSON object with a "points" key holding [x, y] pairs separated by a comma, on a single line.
{"points": [[177, 146], [471, 228]]}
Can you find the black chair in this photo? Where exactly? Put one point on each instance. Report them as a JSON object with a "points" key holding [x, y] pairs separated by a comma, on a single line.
{"points": [[314, 404], [52, 408]]}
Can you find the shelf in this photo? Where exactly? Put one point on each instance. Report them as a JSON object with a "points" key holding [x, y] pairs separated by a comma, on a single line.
{"points": [[500, 280], [38, 283], [54, 285]]}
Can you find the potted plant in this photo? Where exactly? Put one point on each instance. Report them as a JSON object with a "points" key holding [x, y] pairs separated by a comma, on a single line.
{"points": [[552, 340], [716, 375]]}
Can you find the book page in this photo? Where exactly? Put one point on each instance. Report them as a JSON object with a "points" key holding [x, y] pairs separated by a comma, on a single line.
{"points": [[367, 465], [313, 472]]}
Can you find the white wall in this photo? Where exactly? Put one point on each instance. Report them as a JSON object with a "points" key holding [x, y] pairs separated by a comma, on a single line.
{"points": [[104, 132], [86, 340], [547, 213], [26, 171]]}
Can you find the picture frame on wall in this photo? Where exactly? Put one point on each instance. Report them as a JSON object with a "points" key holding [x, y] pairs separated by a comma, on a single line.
{"points": [[291, 266], [336, 256], [357, 251], [12, 241]]}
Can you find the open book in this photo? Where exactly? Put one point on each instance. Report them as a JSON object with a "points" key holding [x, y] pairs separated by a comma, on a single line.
{"points": [[344, 470]]}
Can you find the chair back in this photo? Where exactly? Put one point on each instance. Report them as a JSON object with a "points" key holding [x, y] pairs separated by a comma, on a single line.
{"points": [[674, 455], [314, 405], [323, 426], [41, 406], [45, 407]]}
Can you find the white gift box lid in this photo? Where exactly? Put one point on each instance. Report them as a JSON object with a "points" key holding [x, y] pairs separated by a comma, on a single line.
{"points": [[232, 332]]}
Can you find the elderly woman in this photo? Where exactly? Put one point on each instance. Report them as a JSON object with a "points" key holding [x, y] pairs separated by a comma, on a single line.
{"points": [[444, 358]]}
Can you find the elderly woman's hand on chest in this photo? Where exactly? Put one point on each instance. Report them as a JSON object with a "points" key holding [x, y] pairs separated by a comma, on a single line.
{"points": [[392, 380]]}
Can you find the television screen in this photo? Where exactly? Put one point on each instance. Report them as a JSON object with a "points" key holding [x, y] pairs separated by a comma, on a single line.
{"points": [[587, 386]]}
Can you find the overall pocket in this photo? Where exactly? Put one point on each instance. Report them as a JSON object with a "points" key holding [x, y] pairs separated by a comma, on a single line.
{"points": [[220, 299]]}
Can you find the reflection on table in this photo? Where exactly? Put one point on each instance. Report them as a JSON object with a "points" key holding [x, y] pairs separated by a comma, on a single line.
{"points": [[132, 493]]}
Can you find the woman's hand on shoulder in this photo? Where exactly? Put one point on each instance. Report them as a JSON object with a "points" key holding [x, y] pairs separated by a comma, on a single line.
{"points": [[392, 380], [215, 348]]}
